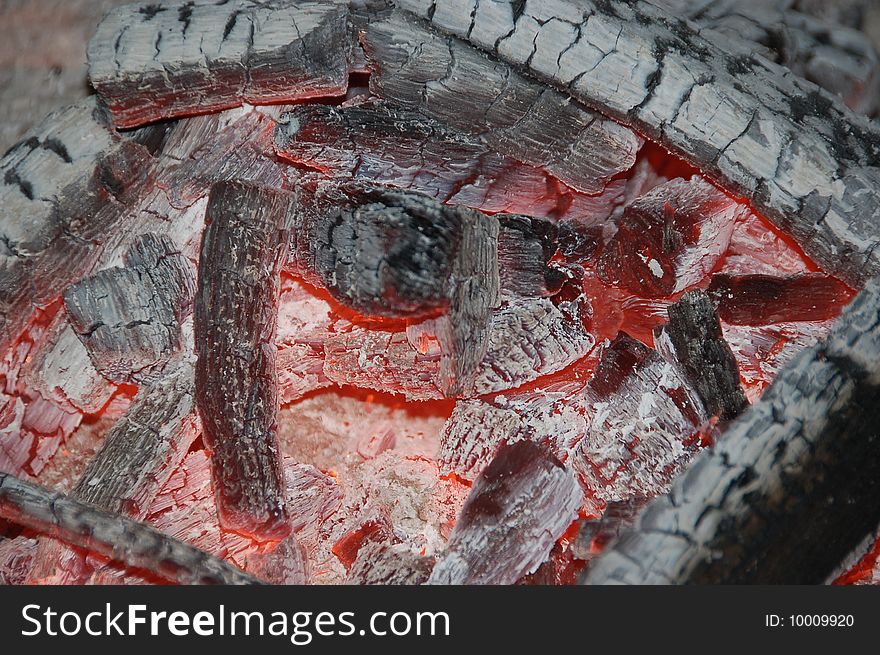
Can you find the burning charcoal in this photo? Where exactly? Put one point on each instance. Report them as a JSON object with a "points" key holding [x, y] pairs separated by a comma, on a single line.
{"points": [[378, 144], [806, 162], [144, 447], [758, 247], [670, 238], [525, 248], [243, 249], [763, 299], [595, 534], [151, 62], [286, 565], [129, 317], [372, 531], [643, 416], [386, 564], [694, 332], [788, 492], [16, 559], [65, 193], [119, 538], [518, 506], [449, 81]]}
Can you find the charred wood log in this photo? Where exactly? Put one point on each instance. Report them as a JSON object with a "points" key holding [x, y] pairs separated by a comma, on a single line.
{"points": [[243, 249], [807, 162], [519, 505], [789, 490], [448, 81], [116, 537], [129, 318], [150, 62], [694, 332]]}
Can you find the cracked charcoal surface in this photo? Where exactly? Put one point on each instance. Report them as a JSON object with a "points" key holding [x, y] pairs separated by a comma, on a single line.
{"points": [[195, 57], [129, 318], [380, 144], [518, 506], [386, 564], [694, 332], [840, 59], [807, 162], [109, 534], [788, 492], [451, 82], [243, 249]]}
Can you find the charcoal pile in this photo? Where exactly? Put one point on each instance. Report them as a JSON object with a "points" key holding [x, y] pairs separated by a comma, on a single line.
{"points": [[447, 292]]}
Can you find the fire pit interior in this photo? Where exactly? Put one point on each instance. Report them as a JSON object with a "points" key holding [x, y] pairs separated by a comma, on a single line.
{"points": [[447, 292]]}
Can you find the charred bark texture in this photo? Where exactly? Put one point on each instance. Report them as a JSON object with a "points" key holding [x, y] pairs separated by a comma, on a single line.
{"points": [[789, 490], [807, 162], [243, 249], [708, 362], [129, 318], [150, 62], [121, 539]]}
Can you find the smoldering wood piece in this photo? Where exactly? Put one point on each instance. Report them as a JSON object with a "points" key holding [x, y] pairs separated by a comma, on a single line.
{"points": [[789, 490], [150, 62], [144, 447], [64, 191], [119, 538], [518, 506], [129, 317], [379, 144], [594, 535], [287, 564], [452, 82], [763, 299], [16, 558], [388, 564], [694, 332], [243, 249], [803, 159], [670, 238], [840, 59]]}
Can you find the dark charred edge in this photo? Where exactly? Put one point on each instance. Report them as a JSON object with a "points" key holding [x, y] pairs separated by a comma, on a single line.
{"points": [[789, 490], [494, 540], [708, 362], [383, 564], [135, 544], [243, 249], [768, 128], [221, 57]]}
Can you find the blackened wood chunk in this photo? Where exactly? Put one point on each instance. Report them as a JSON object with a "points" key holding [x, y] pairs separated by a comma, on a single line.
{"points": [[121, 539], [518, 507], [764, 299], [243, 249], [670, 238], [129, 317], [144, 447], [150, 63], [525, 248], [708, 362], [452, 82], [789, 491], [806, 162], [379, 144], [392, 255]]}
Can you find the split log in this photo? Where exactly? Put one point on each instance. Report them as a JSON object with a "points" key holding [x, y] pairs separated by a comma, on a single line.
{"points": [[789, 491], [807, 162], [451, 82], [243, 249], [518, 507], [694, 333], [121, 539], [129, 318], [150, 62]]}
